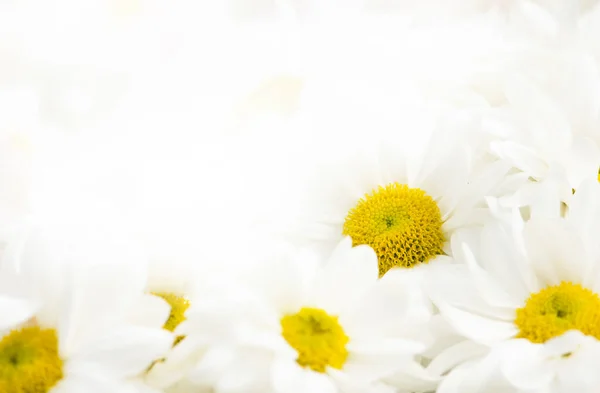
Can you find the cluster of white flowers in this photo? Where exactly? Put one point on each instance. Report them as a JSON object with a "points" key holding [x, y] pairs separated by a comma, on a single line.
{"points": [[286, 196]]}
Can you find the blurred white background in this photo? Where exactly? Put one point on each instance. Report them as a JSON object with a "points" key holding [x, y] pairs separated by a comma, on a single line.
{"points": [[186, 122]]}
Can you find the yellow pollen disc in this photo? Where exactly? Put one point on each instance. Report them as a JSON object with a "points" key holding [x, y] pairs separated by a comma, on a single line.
{"points": [[402, 224], [29, 361], [179, 306], [318, 338], [557, 309]]}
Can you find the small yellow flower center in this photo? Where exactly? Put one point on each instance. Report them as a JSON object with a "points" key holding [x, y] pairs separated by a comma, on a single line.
{"points": [[402, 224], [179, 306], [557, 309], [318, 338], [29, 361]]}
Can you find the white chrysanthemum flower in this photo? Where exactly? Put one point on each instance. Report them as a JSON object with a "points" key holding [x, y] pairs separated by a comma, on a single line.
{"points": [[180, 282], [550, 125], [295, 324], [527, 301], [80, 325], [405, 209]]}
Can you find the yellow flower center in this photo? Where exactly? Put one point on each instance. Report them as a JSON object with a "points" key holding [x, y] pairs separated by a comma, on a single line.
{"points": [[318, 338], [402, 224], [179, 306], [29, 361], [557, 309]]}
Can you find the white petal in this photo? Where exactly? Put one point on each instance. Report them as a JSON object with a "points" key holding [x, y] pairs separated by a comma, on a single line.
{"points": [[502, 258], [150, 311], [14, 311], [486, 181], [240, 381], [455, 355], [97, 298], [582, 161], [468, 236], [346, 277], [453, 382], [235, 369], [177, 364], [583, 211], [393, 307], [212, 363], [523, 158], [258, 337], [281, 284], [386, 346], [453, 286], [393, 165], [556, 253], [127, 351], [567, 342], [548, 194], [524, 367], [577, 372], [289, 377], [413, 377], [479, 375], [444, 180], [80, 382], [479, 329], [549, 130], [584, 214], [490, 290], [137, 386]]}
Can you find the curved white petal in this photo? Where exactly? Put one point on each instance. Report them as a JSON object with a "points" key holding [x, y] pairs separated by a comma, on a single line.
{"points": [[414, 377], [348, 274], [98, 297], [150, 311], [524, 366], [478, 328], [582, 161], [555, 251], [503, 259], [14, 311], [453, 286], [125, 352], [289, 377], [576, 372], [455, 355], [490, 290], [395, 307]]}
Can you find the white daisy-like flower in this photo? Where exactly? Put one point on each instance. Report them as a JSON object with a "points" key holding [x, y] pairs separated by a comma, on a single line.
{"points": [[406, 205], [550, 124], [180, 282], [527, 301], [295, 324], [72, 326]]}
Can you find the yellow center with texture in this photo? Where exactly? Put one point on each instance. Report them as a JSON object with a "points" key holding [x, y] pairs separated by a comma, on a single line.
{"points": [[555, 310], [29, 361], [402, 224], [317, 337]]}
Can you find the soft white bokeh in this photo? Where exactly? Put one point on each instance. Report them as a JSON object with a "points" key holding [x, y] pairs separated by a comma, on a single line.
{"points": [[189, 121]]}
